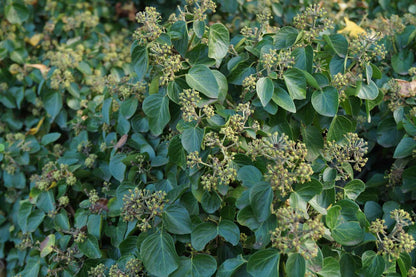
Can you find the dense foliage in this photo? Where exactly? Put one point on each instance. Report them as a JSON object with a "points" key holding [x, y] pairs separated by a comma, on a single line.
{"points": [[223, 138]]}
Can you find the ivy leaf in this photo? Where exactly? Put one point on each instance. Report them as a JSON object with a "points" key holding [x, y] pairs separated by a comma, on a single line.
{"points": [[296, 83], [200, 265], [218, 42], [201, 78], [325, 101], [90, 247], [156, 107], [202, 234], [159, 254], [264, 263], [264, 88]]}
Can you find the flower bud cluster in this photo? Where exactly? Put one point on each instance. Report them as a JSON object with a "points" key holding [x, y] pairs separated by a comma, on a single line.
{"points": [[340, 82], [85, 19], [274, 61], [352, 150], [312, 21], [52, 174], [143, 205], [235, 125], [397, 241], [198, 9], [150, 29], [295, 234], [170, 62], [90, 160], [97, 271], [188, 99], [249, 85], [366, 47], [288, 161], [395, 174]]}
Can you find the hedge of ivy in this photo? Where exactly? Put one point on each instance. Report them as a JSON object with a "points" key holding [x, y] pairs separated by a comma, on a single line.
{"points": [[215, 138]]}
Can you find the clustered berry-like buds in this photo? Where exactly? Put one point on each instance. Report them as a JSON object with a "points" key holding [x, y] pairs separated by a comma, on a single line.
{"points": [[351, 150], [188, 100], [273, 61], [97, 271], [340, 82], [52, 174], [90, 160], [397, 241], [366, 47], [143, 205], [288, 158], [169, 62], [312, 21], [150, 29], [295, 234]]}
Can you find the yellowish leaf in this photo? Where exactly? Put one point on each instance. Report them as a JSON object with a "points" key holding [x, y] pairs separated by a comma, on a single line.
{"points": [[53, 184], [33, 131], [34, 40], [351, 28], [407, 89], [43, 68]]}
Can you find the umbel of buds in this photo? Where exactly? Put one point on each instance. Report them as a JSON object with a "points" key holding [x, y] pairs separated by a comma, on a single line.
{"points": [[397, 241], [143, 205]]}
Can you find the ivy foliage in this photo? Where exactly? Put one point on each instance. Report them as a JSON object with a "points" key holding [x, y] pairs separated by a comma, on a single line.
{"points": [[231, 138]]}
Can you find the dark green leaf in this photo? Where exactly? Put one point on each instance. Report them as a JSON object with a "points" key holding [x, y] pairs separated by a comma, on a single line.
{"points": [[201, 78], [159, 254]]}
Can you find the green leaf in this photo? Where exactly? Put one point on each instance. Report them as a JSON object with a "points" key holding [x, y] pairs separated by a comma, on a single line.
{"points": [[409, 179], [264, 263], [285, 37], [53, 103], [176, 219], [314, 141], [49, 138], [139, 59], [16, 13], [369, 92], [89, 247], [128, 107], [404, 148], [159, 254], [282, 98], [84, 68], [46, 246], [179, 36], [402, 61], [331, 268], [295, 265], [200, 265], [176, 153], [202, 234], [199, 28], [246, 218], [338, 43], [340, 125], [229, 231], [261, 197], [325, 101], [373, 264], [296, 83], [117, 167], [210, 202], [264, 88], [218, 42], [348, 233], [156, 107], [230, 266], [354, 188], [201, 78], [191, 139]]}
